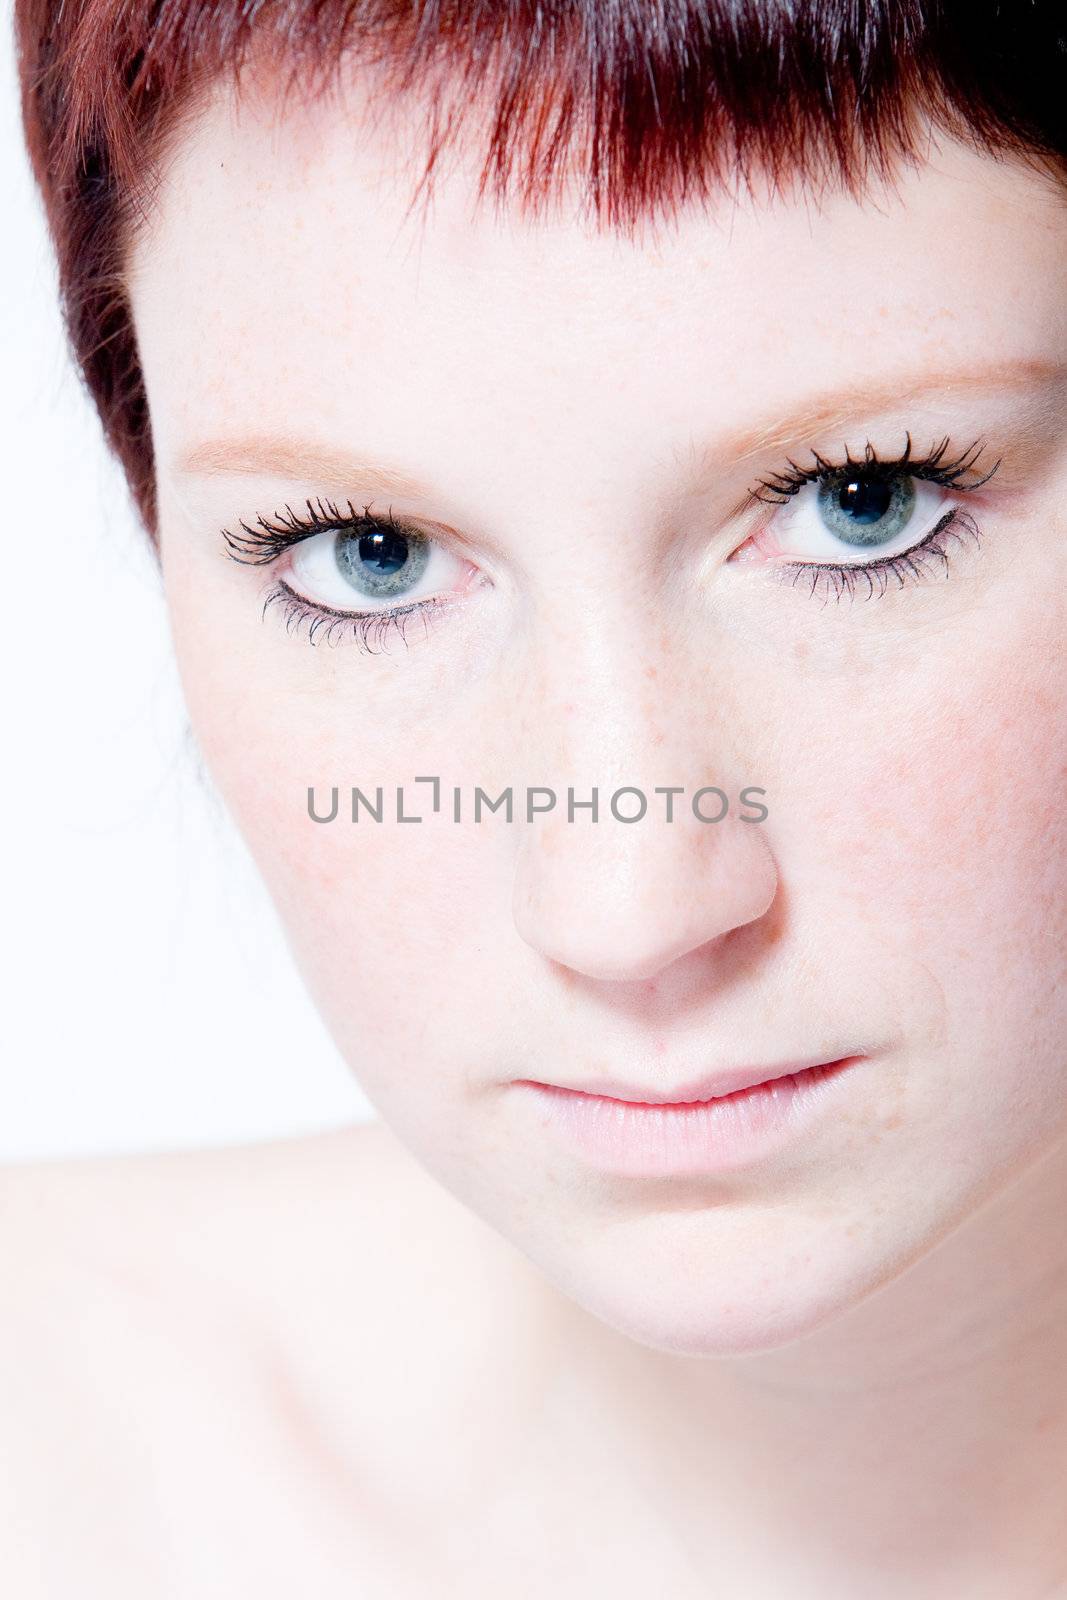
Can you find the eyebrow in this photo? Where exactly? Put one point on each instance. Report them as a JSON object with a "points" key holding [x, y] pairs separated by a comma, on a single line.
{"points": [[278, 457], [837, 408]]}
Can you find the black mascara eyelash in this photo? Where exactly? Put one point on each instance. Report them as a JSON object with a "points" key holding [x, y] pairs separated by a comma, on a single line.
{"points": [[871, 579], [260, 543], [264, 541], [370, 629], [929, 555], [781, 486]]}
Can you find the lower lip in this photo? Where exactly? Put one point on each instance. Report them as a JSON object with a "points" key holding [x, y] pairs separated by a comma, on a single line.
{"points": [[641, 1140]]}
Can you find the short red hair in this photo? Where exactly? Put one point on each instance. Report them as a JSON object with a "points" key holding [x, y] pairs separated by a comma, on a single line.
{"points": [[660, 99]]}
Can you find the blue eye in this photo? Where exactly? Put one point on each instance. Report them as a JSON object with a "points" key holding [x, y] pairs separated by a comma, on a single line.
{"points": [[375, 565], [356, 575], [857, 518], [381, 563], [867, 512]]}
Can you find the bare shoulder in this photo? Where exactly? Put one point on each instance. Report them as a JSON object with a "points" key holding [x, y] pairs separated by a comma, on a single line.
{"points": [[105, 1257], [122, 1202], [223, 1226], [223, 1264], [164, 1320]]}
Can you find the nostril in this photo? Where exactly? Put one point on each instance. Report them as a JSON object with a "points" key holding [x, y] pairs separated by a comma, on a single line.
{"points": [[625, 910]]}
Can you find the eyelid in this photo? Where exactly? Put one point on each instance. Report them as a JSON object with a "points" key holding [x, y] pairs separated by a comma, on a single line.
{"points": [[937, 466], [262, 542]]}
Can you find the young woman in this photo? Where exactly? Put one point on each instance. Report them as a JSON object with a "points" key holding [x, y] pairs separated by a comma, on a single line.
{"points": [[628, 441]]}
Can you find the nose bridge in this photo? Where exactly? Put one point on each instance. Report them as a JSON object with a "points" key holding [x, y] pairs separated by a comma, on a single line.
{"points": [[642, 844], [604, 701]]}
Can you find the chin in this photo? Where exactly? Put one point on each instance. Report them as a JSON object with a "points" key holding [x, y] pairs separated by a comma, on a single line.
{"points": [[688, 1289], [689, 1324]]}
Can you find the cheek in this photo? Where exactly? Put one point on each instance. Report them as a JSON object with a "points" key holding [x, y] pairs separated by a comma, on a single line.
{"points": [[936, 836], [392, 924], [956, 821]]}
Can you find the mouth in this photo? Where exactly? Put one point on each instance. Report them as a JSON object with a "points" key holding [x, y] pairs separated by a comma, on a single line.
{"points": [[725, 1085], [722, 1122]]}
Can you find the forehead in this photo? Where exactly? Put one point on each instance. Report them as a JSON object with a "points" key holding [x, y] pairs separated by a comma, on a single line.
{"points": [[284, 277]]}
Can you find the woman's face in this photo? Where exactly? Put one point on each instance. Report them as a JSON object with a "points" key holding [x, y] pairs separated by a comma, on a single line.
{"points": [[575, 424]]}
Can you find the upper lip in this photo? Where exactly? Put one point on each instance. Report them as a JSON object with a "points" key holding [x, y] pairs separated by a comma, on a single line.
{"points": [[711, 1087]]}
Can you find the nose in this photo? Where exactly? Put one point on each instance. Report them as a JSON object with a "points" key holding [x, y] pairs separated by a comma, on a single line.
{"points": [[623, 900]]}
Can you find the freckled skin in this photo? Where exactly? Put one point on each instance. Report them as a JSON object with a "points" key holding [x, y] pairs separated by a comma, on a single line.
{"points": [[903, 896]]}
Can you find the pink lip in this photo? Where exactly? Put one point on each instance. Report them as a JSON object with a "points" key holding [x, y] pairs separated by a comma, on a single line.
{"points": [[715, 1087], [717, 1123]]}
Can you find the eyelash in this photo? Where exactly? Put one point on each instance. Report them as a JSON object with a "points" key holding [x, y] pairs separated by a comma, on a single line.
{"points": [[264, 541], [259, 545], [370, 629], [907, 565]]}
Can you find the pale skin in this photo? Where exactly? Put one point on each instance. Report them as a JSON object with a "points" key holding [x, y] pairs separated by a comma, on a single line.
{"points": [[429, 1355]]}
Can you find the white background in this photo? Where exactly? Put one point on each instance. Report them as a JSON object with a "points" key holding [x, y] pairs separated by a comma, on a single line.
{"points": [[149, 1001]]}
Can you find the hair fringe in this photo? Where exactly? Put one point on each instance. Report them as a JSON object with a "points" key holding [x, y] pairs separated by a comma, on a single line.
{"points": [[645, 106]]}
